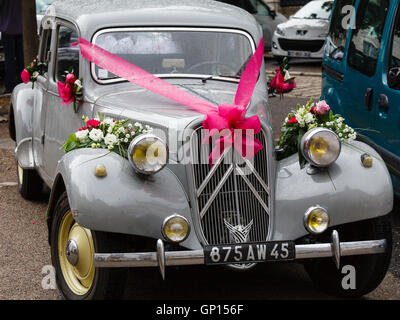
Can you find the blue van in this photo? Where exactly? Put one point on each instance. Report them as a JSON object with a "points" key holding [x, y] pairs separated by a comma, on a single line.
{"points": [[361, 73]]}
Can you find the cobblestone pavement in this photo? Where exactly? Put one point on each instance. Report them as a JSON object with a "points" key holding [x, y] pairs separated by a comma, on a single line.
{"points": [[308, 77]]}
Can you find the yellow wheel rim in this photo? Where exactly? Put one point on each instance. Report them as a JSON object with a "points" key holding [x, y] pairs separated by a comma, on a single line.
{"points": [[79, 277], [20, 175]]}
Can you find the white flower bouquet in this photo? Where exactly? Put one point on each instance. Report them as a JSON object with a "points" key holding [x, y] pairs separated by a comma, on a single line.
{"points": [[305, 118], [105, 133]]}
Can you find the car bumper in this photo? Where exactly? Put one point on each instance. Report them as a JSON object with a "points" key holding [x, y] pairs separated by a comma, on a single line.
{"points": [[298, 51], [161, 258]]}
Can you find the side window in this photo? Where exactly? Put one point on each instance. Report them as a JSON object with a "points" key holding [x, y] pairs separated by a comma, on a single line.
{"points": [[45, 46], [339, 27], [394, 59], [67, 54], [366, 38]]}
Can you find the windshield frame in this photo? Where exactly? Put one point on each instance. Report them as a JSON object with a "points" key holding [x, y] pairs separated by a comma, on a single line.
{"points": [[169, 75]]}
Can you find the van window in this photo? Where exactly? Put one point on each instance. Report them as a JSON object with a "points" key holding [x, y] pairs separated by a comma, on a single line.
{"points": [[366, 38], [395, 56], [67, 54], [338, 30]]}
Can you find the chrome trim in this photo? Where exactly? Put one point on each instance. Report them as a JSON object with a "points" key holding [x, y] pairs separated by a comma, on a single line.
{"points": [[165, 222], [72, 252], [307, 214], [168, 75], [196, 257], [336, 248], [216, 191], [133, 144], [161, 257]]}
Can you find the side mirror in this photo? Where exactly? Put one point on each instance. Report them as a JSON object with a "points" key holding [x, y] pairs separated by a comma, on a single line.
{"points": [[272, 13], [394, 78]]}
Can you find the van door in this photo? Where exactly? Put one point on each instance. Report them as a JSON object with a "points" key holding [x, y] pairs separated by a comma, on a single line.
{"points": [[364, 49], [386, 106]]}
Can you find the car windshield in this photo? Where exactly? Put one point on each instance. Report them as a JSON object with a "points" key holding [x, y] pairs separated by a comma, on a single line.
{"points": [[315, 10], [41, 5], [178, 52]]}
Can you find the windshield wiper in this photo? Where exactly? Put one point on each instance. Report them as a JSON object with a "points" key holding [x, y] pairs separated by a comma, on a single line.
{"points": [[204, 80]]}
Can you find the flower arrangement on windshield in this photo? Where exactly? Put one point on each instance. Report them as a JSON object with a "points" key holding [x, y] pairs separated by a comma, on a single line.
{"points": [[105, 133], [305, 118], [70, 91], [33, 70]]}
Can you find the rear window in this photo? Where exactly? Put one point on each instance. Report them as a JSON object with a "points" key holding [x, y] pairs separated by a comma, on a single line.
{"points": [[366, 37], [340, 24]]}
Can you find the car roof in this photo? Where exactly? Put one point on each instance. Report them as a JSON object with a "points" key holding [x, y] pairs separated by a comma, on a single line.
{"points": [[92, 15]]}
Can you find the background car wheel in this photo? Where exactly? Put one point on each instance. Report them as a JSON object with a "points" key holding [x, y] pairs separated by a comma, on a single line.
{"points": [[30, 184], [370, 269], [72, 253]]}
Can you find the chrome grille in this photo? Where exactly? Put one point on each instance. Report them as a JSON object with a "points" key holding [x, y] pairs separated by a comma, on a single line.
{"points": [[233, 192]]}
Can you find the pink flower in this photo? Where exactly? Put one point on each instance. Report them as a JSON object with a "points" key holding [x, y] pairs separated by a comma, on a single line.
{"points": [[65, 92], [25, 76], [70, 79], [321, 107]]}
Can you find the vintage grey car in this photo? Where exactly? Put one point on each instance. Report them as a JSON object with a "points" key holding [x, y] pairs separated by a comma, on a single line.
{"points": [[105, 215]]}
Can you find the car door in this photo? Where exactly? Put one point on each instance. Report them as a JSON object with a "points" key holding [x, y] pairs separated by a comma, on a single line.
{"points": [[61, 120], [386, 104], [364, 51], [40, 103]]}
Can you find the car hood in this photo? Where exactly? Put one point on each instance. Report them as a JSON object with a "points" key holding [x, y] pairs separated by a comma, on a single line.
{"points": [[313, 27], [144, 106]]}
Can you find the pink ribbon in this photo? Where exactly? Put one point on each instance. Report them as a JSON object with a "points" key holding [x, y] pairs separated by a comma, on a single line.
{"points": [[226, 119], [278, 82]]}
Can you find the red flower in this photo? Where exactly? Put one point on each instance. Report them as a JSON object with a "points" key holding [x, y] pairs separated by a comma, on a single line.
{"points": [[70, 79], [25, 76], [81, 129], [293, 120], [65, 92], [312, 110], [92, 123]]}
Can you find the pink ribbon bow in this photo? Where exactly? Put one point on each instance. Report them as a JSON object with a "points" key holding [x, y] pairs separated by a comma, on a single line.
{"points": [[226, 119]]}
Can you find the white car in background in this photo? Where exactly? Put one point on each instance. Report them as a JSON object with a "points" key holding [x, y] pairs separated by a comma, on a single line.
{"points": [[304, 34]]}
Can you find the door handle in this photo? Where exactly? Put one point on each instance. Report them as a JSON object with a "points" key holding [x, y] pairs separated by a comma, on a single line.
{"points": [[368, 98], [383, 103]]}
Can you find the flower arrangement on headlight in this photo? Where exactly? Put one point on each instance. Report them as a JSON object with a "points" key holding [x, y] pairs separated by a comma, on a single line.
{"points": [[319, 147], [106, 133]]}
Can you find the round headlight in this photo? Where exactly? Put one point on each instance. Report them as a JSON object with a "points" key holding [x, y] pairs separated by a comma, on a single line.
{"points": [[148, 154], [321, 147], [316, 220], [175, 228]]}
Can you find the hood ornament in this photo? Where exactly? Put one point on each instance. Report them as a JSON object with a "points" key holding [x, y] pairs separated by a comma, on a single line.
{"points": [[239, 232]]}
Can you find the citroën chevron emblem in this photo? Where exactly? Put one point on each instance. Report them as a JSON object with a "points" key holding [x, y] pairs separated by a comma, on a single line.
{"points": [[239, 232]]}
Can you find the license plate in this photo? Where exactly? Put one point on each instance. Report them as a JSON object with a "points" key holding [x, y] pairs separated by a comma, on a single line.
{"points": [[299, 54], [249, 252]]}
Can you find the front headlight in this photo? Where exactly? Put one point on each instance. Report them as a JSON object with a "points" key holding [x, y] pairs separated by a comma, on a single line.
{"points": [[280, 31], [321, 147], [175, 228], [316, 220], [148, 154]]}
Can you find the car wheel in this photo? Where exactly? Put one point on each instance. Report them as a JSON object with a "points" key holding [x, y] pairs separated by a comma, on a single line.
{"points": [[30, 184], [72, 253], [370, 270]]}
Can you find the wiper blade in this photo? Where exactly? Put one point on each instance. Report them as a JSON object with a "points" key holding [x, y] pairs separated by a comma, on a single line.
{"points": [[204, 80]]}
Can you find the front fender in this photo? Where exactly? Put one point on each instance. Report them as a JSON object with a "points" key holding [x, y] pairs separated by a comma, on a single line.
{"points": [[349, 191], [122, 201]]}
